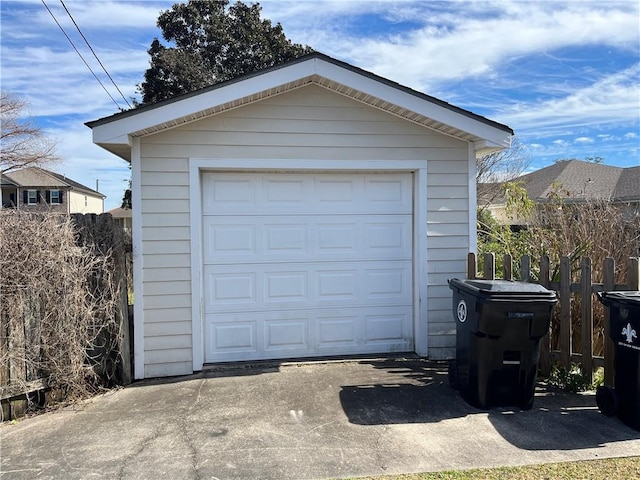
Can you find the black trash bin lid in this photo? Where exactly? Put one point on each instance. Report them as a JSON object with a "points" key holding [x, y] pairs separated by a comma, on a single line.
{"points": [[503, 289], [628, 299]]}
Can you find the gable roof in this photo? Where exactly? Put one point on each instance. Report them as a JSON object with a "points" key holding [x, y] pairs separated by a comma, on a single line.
{"points": [[113, 133], [584, 181], [39, 177]]}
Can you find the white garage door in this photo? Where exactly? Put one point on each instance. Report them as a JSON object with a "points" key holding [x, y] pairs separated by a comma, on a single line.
{"points": [[299, 265]]}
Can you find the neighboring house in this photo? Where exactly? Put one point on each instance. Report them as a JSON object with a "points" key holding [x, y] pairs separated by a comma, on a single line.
{"points": [[123, 217], [577, 181], [306, 210], [37, 189]]}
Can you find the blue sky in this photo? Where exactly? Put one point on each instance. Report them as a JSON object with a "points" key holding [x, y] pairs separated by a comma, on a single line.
{"points": [[565, 75]]}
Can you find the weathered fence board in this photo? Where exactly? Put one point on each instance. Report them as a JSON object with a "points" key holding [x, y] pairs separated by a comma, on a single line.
{"points": [[585, 289]]}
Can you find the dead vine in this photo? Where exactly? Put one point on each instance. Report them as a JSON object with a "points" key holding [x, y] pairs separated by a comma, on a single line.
{"points": [[59, 292]]}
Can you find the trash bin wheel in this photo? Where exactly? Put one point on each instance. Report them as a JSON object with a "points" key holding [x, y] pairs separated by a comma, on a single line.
{"points": [[454, 379], [607, 401]]}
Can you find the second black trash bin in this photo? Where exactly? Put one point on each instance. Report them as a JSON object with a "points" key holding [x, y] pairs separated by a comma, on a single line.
{"points": [[499, 325], [624, 399]]}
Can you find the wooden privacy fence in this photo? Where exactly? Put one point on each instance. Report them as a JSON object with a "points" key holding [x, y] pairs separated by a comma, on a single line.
{"points": [[23, 370], [557, 346]]}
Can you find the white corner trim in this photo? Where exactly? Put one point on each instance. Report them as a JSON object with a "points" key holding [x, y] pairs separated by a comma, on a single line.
{"points": [[473, 201], [138, 285], [420, 257], [197, 307]]}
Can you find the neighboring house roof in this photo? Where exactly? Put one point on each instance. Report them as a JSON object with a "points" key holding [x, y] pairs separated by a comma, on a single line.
{"points": [[120, 212], [114, 133], [628, 187], [582, 180], [6, 181], [39, 177]]}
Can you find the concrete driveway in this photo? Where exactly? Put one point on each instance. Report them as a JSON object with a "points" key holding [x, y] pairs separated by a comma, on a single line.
{"points": [[309, 420]]}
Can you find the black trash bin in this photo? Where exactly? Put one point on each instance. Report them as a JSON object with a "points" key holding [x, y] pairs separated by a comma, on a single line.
{"points": [[623, 399], [499, 327]]}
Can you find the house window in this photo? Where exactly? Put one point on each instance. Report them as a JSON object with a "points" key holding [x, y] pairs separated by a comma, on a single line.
{"points": [[55, 197], [32, 197]]}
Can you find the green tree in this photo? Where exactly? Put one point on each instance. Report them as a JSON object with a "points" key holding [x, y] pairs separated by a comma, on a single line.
{"points": [[495, 169], [510, 237], [212, 41]]}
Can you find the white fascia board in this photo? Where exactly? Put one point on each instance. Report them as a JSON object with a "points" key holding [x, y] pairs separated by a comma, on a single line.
{"points": [[118, 130], [485, 147], [406, 100]]}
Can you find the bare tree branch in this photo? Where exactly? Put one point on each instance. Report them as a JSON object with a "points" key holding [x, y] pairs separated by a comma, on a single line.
{"points": [[497, 168], [22, 144]]}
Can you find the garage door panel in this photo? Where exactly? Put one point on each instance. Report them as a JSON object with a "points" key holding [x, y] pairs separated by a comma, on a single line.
{"points": [[388, 192], [386, 328], [232, 288], [390, 283], [266, 194], [339, 330], [338, 284], [295, 238], [291, 334], [232, 239], [288, 238], [233, 336], [286, 286], [245, 287], [303, 333]]}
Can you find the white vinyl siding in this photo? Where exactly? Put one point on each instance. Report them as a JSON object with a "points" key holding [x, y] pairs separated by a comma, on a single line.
{"points": [[310, 123], [448, 246]]}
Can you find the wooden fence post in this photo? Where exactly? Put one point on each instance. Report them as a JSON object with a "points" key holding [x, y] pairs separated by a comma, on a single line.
{"points": [[633, 274], [587, 319], [507, 267], [489, 266], [565, 312], [545, 342], [608, 281], [471, 266]]}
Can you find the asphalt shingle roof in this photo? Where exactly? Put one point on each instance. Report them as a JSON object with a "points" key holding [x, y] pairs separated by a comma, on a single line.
{"points": [[39, 177], [581, 180]]}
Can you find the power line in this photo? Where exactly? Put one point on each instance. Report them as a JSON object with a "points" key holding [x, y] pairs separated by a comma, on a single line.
{"points": [[80, 55], [94, 54]]}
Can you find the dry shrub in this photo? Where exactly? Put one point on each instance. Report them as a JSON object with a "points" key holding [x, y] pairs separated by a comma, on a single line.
{"points": [[57, 303], [596, 229]]}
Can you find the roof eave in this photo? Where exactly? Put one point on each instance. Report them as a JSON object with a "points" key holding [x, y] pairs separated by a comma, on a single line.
{"points": [[114, 133]]}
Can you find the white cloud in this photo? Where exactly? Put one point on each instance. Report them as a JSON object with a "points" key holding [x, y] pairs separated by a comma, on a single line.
{"points": [[453, 40], [583, 140], [612, 99], [631, 135]]}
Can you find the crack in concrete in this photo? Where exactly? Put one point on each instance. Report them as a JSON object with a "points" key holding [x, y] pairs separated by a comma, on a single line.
{"points": [[142, 446], [187, 433]]}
